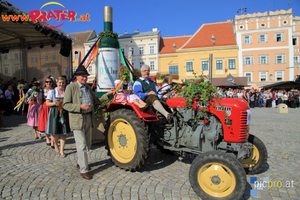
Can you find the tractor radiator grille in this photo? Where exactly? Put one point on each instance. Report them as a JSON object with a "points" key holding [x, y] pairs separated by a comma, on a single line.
{"points": [[244, 128]]}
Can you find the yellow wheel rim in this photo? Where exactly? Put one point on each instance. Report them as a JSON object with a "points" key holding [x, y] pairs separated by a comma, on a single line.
{"points": [[253, 158], [122, 141], [216, 179]]}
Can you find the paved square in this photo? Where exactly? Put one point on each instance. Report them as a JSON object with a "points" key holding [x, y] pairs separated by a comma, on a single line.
{"points": [[31, 170]]}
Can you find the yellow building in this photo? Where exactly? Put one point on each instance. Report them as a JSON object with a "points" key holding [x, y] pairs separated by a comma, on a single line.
{"points": [[183, 55]]}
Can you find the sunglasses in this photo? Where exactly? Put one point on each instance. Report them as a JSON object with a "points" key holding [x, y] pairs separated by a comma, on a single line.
{"points": [[48, 81]]}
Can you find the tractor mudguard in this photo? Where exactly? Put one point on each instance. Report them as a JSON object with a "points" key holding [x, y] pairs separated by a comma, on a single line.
{"points": [[148, 115]]}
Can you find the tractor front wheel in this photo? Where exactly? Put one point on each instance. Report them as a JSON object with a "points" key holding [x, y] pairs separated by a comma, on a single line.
{"points": [[127, 139], [257, 159], [215, 175]]}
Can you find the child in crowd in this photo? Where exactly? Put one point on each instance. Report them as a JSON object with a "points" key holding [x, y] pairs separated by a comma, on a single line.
{"points": [[34, 109], [166, 86], [123, 96]]}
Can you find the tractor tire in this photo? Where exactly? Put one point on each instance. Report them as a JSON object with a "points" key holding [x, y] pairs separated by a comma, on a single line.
{"points": [[258, 158], [215, 174], [126, 139]]}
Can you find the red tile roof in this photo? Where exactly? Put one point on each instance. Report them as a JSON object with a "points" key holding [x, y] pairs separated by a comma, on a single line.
{"points": [[166, 43], [222, 32], [81, 37]]}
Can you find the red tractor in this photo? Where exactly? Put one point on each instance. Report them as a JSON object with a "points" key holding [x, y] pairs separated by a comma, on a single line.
{"points": [[225, 150]]}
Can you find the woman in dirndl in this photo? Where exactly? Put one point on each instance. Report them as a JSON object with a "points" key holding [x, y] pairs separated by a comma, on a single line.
{"points": [[44, 110], [33, 111], [58, 120]]}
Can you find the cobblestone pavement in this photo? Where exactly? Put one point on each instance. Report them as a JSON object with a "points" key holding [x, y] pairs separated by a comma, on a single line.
{"points": [[31, 170]]}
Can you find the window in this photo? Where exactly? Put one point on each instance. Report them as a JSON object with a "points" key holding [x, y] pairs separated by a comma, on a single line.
{"points": [[54, 57], [296, 59], [151, 49], [279, 75], [262, 76], [34, 59], [46, 58], [241, 27], [219, 64], [231, 63], [247, 39], [248, 60], [189, 66], [5, 56], [279, 37], [151, 65], [279, 59], [295, 41], [76, 55], [74, 70], [132, 50], [66, 70], [263, 60], [6, 67], [173, 69], [65, 58], [46, 71], [53, 71], [90, 69], [123, 51], [249, 76], [16, 55], [141, 49], [141, 63], [262, 38], [262, 25], [204, 65], [285, 22]]}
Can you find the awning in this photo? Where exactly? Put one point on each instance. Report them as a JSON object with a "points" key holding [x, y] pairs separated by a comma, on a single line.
{"points": [[288, 85]]}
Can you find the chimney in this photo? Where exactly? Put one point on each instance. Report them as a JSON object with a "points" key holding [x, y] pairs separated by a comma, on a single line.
{"points": [[126, 32], [154, 29], [137, 31]]}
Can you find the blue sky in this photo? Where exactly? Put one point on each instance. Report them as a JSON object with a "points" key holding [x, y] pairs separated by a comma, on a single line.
{"points": [[174, 18]]}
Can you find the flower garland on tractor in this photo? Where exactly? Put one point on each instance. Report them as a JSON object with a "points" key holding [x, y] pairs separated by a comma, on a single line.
{"points": [[200, 89]]}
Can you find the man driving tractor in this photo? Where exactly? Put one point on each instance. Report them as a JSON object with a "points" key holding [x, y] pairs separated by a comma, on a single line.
{"points": [[147, 90]]}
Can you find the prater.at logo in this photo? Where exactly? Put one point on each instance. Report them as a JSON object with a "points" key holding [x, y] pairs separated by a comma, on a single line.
{"points": [[45, 16]]}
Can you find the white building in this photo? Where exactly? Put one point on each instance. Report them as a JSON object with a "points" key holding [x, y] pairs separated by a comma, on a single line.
{"points": [[142, 48]]}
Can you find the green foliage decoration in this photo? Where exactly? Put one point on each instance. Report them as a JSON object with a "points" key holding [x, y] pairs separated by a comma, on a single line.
{"points": [[201, 89], [108, 33]]}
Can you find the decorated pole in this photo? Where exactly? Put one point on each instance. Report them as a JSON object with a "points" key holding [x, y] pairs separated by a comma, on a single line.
{"points": [[108, 58]]}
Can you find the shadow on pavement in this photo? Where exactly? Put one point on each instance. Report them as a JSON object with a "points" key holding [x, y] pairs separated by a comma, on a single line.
{"points": [[9, 122]]}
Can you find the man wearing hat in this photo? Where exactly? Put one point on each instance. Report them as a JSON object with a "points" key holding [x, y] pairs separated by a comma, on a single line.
{"points": [[79, 100]]}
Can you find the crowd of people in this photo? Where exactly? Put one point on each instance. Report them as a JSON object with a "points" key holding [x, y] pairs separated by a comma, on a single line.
{"points": [[55, 110], [263, 98]]}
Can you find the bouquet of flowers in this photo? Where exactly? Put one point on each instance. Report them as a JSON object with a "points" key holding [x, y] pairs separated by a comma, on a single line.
{"points": [[59, 104]]}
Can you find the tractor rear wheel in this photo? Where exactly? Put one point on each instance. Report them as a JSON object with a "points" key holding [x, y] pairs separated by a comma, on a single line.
{"points": [[215, 175], [127, 139], [258, 157]]}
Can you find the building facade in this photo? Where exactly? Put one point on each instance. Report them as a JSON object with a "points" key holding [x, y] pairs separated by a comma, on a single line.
{"points": [[187, 54], [10, 64], [142, 48], [79, 47], [296, 44], [266, 50]]}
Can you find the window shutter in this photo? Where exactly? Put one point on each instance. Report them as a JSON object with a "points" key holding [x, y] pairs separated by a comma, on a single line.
{"points": [[275, 59], [268, 59], [266, 38], [250, 39], [259, 60], [282, 37], [244, 61], [252, 60], [283, 58]]}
